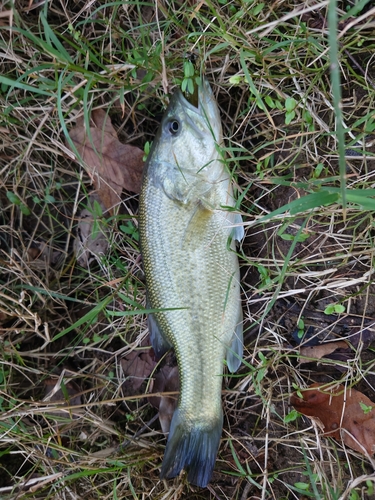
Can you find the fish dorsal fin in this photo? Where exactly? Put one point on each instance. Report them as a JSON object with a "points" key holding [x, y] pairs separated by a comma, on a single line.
{"points": [[235, 350]]}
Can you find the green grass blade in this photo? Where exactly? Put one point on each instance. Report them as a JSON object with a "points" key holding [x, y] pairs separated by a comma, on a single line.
{"points": [[356, 9], [23, 86], [363, 201], [308, 202], [51, 38], [250, 81], [44, 46], [336, 92], [87, 318]]}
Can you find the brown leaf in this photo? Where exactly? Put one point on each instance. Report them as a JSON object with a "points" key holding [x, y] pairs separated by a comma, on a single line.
{"points": [[68, 395], [345, 413], [41, 252], [4, 317], [33, 253], [166, 380], [362, 336], [138, 366], [113, 166], [92, 238], [319, 351]]}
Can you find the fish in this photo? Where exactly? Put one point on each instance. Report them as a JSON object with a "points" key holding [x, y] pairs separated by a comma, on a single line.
{"points": [[188, 229]]}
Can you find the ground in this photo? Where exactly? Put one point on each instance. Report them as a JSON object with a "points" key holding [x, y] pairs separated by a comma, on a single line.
{"points": [[76, 366]]}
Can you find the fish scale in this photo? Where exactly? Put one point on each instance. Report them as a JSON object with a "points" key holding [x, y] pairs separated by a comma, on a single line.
{"points": [[190, 268]]}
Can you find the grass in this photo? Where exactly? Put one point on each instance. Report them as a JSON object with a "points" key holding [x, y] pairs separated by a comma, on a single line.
{"points": [[295, 84]]}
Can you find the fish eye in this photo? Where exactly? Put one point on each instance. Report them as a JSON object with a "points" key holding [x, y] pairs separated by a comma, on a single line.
{"points": [[174, 127]]}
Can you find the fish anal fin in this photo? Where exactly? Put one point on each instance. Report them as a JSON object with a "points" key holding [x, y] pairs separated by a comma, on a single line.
{"points": [[193, 448], [158, 341], [235, 350]]}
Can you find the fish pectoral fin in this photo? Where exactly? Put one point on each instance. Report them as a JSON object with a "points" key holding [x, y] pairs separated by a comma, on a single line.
{"points": [[192, 447], [235, 350], [158, 341], [237, 232], [193, 235], [233, 220]]}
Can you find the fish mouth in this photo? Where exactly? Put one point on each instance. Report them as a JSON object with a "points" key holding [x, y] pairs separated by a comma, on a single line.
{"points": [[192, 98], [203, 103]]}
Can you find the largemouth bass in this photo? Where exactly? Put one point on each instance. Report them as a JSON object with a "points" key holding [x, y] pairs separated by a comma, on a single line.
{"points": [[188, 230]]}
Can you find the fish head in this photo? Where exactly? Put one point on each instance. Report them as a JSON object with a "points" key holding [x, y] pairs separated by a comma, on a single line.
{"points": [[188, 142]]}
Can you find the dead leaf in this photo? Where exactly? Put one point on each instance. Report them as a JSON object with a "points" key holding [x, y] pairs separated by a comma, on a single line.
{"points": [[345, 413], [112, 165], [166, 380], [362, 336], [33, 253], [4, 14], [57, 391], [40, 252], [5, 317], [138, 366], [319, 351], [92, 235]]}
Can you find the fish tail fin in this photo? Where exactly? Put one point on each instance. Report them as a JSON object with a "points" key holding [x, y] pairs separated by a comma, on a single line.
{"points": [[192, 447]]}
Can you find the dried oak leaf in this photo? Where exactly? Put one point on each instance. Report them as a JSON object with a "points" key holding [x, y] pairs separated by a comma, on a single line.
{"points": [[166, 380], [138, 366], [92, 238], [41, 252], [321, 350], [346, 414], [57, 391], [113, 166]]}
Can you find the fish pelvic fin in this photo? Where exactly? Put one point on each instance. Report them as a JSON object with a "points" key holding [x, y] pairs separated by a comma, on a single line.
{"points": [[192, 447], [235, 350], [159, 342]]}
